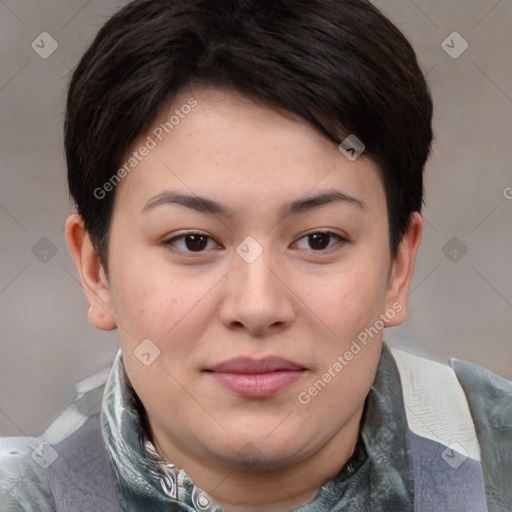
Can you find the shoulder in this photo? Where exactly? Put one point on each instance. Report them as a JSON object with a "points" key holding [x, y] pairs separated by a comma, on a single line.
{"points": [[24, 485], [467, 409], [462, 397], [34, 469], [436, 406], [490, 400], [489, 395]]}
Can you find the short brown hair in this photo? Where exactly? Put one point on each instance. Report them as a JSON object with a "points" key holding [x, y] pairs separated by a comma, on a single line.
{"points": [[339, 64]]}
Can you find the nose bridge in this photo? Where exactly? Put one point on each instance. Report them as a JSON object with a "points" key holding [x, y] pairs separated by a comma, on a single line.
{"points": [[253, 269], [257, 298]]}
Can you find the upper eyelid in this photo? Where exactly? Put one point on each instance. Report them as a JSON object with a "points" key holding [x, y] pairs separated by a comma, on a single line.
{"points": [[341, 239], [168, 241]]}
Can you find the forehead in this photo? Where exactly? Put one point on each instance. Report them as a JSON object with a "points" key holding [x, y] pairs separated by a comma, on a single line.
{"points": [[221, 144]]}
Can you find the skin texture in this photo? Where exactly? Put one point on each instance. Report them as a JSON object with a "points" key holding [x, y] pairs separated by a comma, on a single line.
{"points": [[296, 300]]}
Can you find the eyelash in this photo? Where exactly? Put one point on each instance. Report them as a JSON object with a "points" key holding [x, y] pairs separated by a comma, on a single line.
{"points": [[170, 241]]}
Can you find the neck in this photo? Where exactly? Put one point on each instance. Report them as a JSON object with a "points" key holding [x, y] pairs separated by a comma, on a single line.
{"points": [[267, 489]]}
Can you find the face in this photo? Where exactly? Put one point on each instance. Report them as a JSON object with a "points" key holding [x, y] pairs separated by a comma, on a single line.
{"points": [[255, 258]]}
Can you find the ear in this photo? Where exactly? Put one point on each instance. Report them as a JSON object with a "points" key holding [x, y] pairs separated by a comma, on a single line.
{"points": [[92, 275], [402, 270]]}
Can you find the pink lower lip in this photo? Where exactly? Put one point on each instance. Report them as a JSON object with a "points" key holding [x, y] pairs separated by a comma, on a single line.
{"points": [[258, 385]]}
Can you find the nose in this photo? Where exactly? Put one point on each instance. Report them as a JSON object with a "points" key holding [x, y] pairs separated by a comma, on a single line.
{"points": [[258, 297]]}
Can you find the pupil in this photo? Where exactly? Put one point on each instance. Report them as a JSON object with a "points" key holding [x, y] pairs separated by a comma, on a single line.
{"points": [[198, 242], [319, 240]]}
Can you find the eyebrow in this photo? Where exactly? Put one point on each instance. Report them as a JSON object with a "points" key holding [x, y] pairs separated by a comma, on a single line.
{"points": [[209, 206]]}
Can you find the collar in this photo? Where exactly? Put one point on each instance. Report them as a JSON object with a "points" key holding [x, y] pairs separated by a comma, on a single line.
{"points": [[378, 476]]}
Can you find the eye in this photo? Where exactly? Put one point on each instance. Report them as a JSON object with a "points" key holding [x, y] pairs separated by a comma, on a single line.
{"points": [[321, 240], [190, 242]]}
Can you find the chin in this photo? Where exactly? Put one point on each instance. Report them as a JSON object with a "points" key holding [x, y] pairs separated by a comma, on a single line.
{"points": [[261, 453]]}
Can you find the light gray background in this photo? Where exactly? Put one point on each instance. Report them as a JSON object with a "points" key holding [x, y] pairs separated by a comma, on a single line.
{"points": [[459, 309]]}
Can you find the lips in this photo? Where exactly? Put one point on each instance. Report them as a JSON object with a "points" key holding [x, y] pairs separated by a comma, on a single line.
{"points": [[268, 364], [257, 378]]}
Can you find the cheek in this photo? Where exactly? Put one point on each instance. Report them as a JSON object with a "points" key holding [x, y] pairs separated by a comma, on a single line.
{"points": [[144, 294], [348, 355], [345, 300], [171, 309]]}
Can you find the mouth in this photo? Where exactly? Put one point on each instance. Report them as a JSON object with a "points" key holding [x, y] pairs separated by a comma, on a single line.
{"points": [[257, 378]]}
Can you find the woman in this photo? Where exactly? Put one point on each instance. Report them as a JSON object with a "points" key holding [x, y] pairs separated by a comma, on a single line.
{"points": [[248, 185]]}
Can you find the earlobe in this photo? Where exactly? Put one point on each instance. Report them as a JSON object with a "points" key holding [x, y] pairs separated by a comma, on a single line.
{"points": [[402, 271], [92, 275]]}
